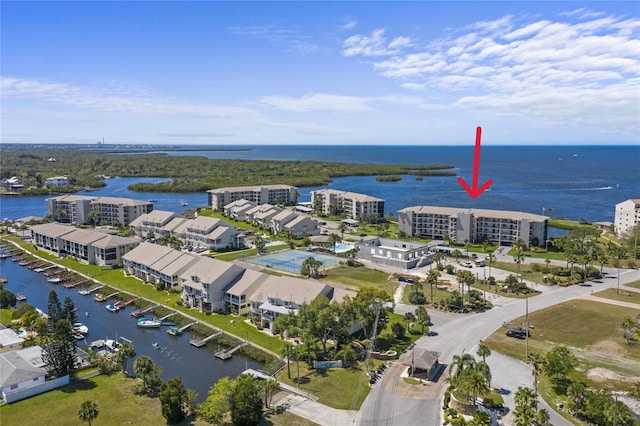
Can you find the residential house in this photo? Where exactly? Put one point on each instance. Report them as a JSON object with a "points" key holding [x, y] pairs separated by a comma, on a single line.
{"points": [[281, 219], [209, 232], [12, 184], [238, 209], [396, 253], [236, 297], [56, 181], [301, 225], [262, 214], [152, 222]]}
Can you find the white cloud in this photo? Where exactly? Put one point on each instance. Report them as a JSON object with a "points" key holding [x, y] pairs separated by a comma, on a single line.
{"points": [[572, 70], [337, 103], [375, 44], [290, 37], [349, 24]]}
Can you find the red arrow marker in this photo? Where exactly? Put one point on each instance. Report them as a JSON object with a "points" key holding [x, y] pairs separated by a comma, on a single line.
{"points": [[474, 191]]}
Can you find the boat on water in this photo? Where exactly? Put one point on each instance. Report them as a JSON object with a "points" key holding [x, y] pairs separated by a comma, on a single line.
{"points": [[184, 203], [54, 280], [84, 292], [156, 345], [3, 280], [80, 328], [149, 323], [112, 307], [21, 297], [174, 330]]}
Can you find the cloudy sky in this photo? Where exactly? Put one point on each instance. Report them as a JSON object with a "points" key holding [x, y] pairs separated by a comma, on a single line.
{"points": [[529, 73]]}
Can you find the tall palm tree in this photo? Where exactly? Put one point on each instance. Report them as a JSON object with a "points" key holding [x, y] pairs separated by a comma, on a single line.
{"points": [[422, 316], [438, 257], [537, 361], [518, 258], [409, 317], [543, 418], [88, 411], [125, 351], [342, 228], [473, 381], [490, 259], [143, 368], [432, 279], [483, 351], [286, 353]]}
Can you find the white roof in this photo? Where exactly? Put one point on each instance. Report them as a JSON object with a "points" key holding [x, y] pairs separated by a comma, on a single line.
{"points": [[492, 214]]}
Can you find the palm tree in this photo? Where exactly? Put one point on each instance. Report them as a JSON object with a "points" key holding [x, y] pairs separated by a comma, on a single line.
{"points": [[143, 368], [258, 241], [543, 418], [347, 353], [438, 257], [473, 381], [461, 363], [409, 317], [432, 279], [577, 392], [456, 253], [88, 411], [465, 278], [537, 361], [268, 387], [334, 239], [483, 351], [422, 316], [286, 353], [125, 351], [342, 228], [525, 396], [518, 258]]}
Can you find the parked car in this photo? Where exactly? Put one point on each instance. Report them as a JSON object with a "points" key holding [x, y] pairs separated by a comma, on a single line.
{"points": [[517, 332]]}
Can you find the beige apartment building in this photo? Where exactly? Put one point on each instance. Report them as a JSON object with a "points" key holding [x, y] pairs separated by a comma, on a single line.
{"points": [[81, 209], [351, 204], [627, 216], [475, 225], [264, 194]]}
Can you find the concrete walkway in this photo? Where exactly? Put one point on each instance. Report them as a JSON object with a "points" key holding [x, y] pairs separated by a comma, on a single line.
{"points": [[314, 411]]}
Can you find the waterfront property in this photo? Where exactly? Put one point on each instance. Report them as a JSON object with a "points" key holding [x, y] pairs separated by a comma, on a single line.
{"points": [[351, 204], [56, 181], [201, 232], [474, 225], [262, 194], [627, 216], [262, 214], [205, 281], [238, 209], [95, 247], [157, 264], [22, 374], [295, 223], [81, 209], [396, 253]]}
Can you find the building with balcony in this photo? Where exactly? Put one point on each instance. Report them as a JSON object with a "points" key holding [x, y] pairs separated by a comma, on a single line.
{"points": [[82, 209], [474, 225], [627, 216], [56, 181], [158, 265], [205, 281], [396, 253], [351, 204], [265, 194], [238, 209]]}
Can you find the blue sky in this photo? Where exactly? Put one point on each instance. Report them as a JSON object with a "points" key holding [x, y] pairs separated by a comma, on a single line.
{"points": [[428, 73]]}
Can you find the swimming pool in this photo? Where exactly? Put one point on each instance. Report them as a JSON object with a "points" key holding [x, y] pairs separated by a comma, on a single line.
{"points": [[341, 248]]}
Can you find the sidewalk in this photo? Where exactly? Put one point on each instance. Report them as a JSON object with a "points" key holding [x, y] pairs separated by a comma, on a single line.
{"points": [[315, 411]]}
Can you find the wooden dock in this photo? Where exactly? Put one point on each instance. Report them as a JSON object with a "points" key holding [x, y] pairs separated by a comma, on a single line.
{"points": [[103, 298], [140, 312], [200, 343], [91, 290], [225, 355], [76, 283], [130, 301]]}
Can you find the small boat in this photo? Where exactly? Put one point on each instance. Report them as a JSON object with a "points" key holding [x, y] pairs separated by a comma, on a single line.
{"points": [[80, 328], [119, 304], [156, 345], [184, 203], [21, 297], [54, 280], [111, 307], [149, 323], [3, 280], [174, 330], [84, 292]]}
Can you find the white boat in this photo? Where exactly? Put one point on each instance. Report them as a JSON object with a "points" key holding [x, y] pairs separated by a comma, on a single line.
{"points": [[54, 279], [111, 307], [80, 328], [149, 323], [21, 297], [84, 292], [156, 345]]}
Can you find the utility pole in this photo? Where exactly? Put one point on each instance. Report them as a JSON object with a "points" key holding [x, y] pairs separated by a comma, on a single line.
{"points": [[526, 325]]}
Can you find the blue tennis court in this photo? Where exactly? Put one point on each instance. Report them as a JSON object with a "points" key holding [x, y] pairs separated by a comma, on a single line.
{"points": [[291, 260]]}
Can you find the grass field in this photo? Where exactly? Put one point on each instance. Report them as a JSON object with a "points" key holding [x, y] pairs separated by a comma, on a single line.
{"points": [[591, 329], [355, 278], [624, 296]]}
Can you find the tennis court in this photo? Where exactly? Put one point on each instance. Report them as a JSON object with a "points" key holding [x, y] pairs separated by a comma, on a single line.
{"points": [[291, 260]]}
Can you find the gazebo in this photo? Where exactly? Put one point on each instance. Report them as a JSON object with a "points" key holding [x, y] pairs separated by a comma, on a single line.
{"points": [[422, 363]]}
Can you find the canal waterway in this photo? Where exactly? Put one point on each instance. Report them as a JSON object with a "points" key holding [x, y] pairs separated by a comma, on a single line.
{"points": [[198, 367]]}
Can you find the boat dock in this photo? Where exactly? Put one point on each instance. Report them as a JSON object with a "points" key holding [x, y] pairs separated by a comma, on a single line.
{"points": [[76, 283], [45, 268], [103, 298], [200, 343], [176, 331], [167, 316], [91, 290], [130, 301], [225, 355], [140, 312]]}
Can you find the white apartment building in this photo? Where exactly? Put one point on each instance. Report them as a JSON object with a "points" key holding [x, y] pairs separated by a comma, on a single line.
{"points": [[81, 209], [265, 194], [627, 216], [475, 225], [351, 204]]}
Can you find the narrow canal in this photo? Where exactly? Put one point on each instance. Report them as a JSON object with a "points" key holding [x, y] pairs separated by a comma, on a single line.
{"points": [[198, 368]]}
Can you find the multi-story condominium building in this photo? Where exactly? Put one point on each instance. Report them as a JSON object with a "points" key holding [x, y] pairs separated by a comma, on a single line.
{"points": [[238, 209], [205, 281], [627, 216], [80, 209], [473, 225], [158, 265], [351, 204], [265, 194], [85, 245], [262, 214], [202, 231], [400, 254]]}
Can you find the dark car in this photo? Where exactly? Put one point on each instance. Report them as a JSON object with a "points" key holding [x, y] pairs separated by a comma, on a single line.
{"points": [[517, 332]]}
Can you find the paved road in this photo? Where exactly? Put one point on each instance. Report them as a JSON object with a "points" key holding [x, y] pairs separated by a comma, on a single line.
{"points": [[463, 333]]}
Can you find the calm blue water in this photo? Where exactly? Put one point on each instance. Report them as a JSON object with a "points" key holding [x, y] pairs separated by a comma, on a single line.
{"points": [[577, 182], [198, 368]]}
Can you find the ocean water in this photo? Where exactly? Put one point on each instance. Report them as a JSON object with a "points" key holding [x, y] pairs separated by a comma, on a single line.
{"points": [[574, 182]]}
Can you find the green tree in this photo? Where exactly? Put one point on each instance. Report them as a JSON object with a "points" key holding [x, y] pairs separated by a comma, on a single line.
{"points": [[543, 418], [217, 405], [173, 400], [88, 412], [369, 304], [148, 371], [465, 278], [408, 318], [125, 351], [311, 266], [526, 404], [559, 362], [245, 402], [483, 351], [627, 325], [398, 330], [7, 299], [537, 362], [342, 228], [432, 279], [286, 353], [422, 317], [334, 239], [474, 382], [267, 387]]}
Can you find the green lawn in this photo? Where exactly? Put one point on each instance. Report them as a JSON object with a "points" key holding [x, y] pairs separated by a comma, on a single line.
{"points": [[635, 284], [342, 388], [355, 278]]}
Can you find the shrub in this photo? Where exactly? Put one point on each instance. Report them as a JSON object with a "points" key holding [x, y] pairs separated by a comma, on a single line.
{"points": [[417, 298]]}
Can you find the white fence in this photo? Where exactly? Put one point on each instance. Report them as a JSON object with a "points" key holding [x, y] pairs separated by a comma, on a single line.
{"points": [[35, 390]]}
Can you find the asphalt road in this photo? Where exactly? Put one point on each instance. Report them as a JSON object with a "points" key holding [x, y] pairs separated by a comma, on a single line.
{"points": [[384, 407]]}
